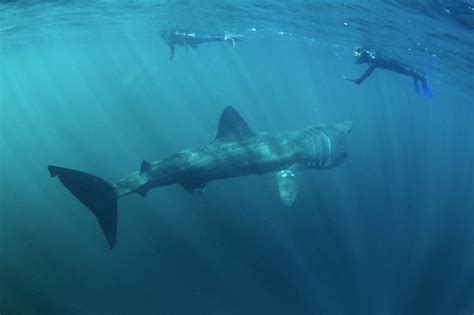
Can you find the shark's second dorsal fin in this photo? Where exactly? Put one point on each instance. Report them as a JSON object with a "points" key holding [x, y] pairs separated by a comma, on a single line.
{"points": [[232, 126], [145, 167]]}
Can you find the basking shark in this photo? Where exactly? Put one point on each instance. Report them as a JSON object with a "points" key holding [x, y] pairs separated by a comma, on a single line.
{"points": [[236, 151]]}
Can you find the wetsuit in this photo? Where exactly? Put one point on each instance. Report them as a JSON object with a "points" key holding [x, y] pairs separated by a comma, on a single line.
{"points": [[182, 38], [374, 61]]}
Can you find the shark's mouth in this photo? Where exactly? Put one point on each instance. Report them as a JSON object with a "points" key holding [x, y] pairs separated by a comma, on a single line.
{"points": [[318, 148]]}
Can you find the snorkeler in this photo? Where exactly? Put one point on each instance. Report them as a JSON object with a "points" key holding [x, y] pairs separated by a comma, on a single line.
{"points": [[179, 37], [375, 61]]}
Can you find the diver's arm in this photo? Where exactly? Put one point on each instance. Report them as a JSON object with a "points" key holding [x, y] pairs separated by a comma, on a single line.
{"points": [[365, 75]]}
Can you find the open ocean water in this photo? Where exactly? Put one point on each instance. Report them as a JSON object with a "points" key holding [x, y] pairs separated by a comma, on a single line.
{"points": [[89, 85]]}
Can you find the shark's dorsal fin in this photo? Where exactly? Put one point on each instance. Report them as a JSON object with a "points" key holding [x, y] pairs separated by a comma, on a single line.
{"points": [[232, 126]]}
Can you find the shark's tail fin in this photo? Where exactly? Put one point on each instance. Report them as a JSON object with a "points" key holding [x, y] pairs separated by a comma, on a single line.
{"points": [[96, 194]]}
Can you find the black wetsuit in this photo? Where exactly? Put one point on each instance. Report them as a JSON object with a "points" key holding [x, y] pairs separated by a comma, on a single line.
{"points": [[374, 61], [182, 38]]}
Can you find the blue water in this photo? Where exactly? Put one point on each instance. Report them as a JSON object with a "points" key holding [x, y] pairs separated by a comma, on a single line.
{"points": [[90, 87]]}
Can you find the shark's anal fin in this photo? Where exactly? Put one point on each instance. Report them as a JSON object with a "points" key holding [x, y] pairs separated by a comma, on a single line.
{"points": [[142, 191], [194, 189], [288, 184], [145, 167], [232, 126]]}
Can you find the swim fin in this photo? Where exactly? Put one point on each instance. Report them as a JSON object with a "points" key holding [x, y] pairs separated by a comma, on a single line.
{"points": [[416, 86], [427, 90]]}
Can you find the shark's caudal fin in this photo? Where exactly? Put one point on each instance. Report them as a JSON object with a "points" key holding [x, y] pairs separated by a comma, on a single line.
{"points": [[96, 194]]}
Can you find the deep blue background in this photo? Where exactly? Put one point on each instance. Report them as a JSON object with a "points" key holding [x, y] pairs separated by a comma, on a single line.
{"points": [[390, 231]]}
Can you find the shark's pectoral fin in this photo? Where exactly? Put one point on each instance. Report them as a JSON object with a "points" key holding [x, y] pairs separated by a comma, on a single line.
{"points": [[194, 189], [232, 126], [145, 167], [289, 184]]}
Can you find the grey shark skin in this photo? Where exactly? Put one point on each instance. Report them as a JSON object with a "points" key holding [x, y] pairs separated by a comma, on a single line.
{"points": [[236, 151]]}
